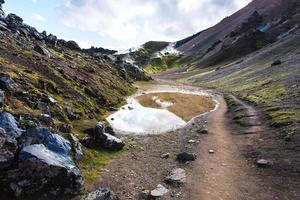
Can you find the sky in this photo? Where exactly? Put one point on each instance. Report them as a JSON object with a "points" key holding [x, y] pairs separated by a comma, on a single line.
{"points": [[122, 24]]}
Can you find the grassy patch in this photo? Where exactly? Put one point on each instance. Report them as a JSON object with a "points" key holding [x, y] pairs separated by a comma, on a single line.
{"points": [[272, 94], [163, 63], [93, 162], [283, 118]]}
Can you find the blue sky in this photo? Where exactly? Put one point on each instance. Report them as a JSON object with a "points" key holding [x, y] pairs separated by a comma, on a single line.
{"points": [[121, 24]]}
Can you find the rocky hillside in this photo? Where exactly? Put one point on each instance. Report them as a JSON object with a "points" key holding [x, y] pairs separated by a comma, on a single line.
{"points": [[254, 54], [153, 56], [251, 28], [51, 94]]}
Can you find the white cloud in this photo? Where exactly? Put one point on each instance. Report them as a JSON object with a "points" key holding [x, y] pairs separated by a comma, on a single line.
{"points": [[84, 44], [130, 20], [38, 17]]}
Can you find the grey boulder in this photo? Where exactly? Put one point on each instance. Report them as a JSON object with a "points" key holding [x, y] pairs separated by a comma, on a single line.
{"points": [[10, 125], [106, 140], [41, 135], [110, 142], [13, 21], [44, 171]]}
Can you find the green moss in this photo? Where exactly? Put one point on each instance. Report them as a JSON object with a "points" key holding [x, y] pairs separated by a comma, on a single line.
{"points": [[272, 94], [163, 63], [93, 162], [283, 118]]}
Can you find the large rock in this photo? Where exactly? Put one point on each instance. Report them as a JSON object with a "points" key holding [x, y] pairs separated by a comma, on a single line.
{"points": [[42, 135], [110, 142], [177, 177], [99, 129], [100, 194], [10, 125], [43, 171], [186, 157], [51, 39], [42, 50], [13, 21], [106, 140], [6, 83], [8, 149]]}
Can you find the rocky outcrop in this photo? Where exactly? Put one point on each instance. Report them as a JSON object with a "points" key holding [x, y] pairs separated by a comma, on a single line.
{"points": [[2, 14], [43, 164], [45, 171], [100, 194], [14, 22]]}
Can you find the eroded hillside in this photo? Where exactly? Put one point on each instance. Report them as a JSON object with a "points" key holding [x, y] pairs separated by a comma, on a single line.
{"points": [[49, 88]]}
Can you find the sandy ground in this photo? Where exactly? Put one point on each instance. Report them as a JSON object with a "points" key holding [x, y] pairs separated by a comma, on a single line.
{"points": [[186, 106]]}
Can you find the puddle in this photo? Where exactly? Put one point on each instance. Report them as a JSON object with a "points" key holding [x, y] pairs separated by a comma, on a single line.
{"points": [[158, 115], [135, 118]]}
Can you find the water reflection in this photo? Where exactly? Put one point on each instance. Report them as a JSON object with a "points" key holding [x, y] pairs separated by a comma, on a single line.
{"points": [[134, 118]]}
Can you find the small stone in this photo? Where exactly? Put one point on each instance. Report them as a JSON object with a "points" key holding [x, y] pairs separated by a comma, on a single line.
{"points": [[165, 156], [46, 120], [211, 151], [276, 62], [262, 163], [144, 195], [204, 130], [177, 177], [192, 141], [159, 191], [52, 100]]}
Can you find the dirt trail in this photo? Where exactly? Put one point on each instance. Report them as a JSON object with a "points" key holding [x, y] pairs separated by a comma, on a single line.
{"points": [[224, 175]]}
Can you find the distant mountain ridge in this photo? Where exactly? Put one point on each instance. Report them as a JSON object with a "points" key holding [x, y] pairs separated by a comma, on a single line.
{"points": [[259, 23]]}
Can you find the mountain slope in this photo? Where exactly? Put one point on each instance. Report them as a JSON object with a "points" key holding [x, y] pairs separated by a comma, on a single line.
{"points": [[258, 24], [254, 54]]}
